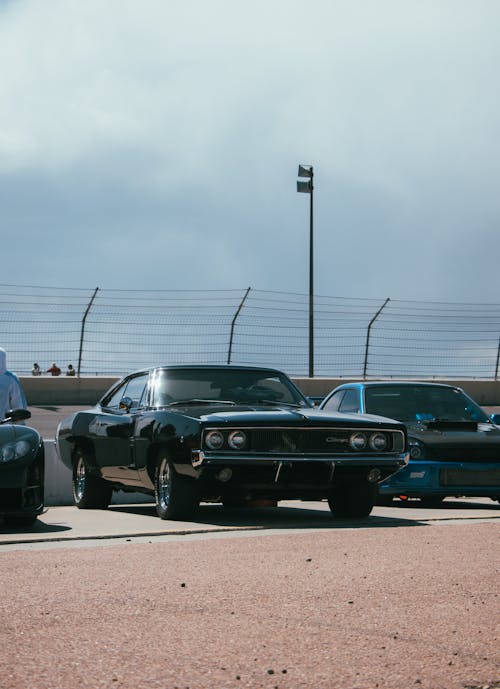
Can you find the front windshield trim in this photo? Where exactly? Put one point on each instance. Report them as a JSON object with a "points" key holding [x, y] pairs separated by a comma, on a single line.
{"points": [[225, 385]]}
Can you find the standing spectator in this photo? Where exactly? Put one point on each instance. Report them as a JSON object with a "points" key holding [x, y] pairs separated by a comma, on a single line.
{"points": [[71, 371], [54, 370], [36, 370], [11, 392]]}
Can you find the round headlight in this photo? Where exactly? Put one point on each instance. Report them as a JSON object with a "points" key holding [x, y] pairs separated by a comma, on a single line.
{"points": [[214, 440], [7, 453], [417, 449], [358, 441], [237, 440], [373, 476], [378, 442], [22, 448], [13, 451]]}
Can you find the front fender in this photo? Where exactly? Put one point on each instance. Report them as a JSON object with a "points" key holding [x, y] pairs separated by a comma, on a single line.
{"points": [[176, 433]]}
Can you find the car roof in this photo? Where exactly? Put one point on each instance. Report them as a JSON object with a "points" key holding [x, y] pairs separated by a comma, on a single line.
{"points": [[194, 367], [399, 383]]}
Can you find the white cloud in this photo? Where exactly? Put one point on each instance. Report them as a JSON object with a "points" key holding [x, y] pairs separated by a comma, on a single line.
{"points": [[121, 119]]}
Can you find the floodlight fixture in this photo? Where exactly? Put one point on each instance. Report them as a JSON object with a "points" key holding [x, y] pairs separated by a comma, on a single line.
{"points": [[307, 187]]}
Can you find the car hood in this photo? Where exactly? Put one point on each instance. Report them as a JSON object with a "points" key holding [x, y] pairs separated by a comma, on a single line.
{"points": [[448, 433], [281, 415], [10, 432]]}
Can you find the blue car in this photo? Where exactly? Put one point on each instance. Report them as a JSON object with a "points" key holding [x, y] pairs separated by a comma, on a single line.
{"points": [[454, 445]]}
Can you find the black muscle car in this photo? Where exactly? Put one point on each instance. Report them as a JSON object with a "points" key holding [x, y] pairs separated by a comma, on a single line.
{"points": [[21, 470], [187, 434]]}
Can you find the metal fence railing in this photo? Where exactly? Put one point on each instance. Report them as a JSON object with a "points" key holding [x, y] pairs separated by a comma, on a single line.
{"points": [[111, 332]]}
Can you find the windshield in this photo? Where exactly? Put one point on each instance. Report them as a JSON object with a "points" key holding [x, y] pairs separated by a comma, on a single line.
{"points": [[240, 386], [422, 403]]}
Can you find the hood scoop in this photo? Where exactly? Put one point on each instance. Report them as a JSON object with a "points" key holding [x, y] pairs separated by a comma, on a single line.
{"points": [[445, 425]]}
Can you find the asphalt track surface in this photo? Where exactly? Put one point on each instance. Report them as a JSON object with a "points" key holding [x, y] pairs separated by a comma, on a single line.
{"points": [[282, 597], [263, 598], [45, 418]]}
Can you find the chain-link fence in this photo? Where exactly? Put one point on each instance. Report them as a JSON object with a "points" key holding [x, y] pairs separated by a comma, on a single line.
{"points": [[111, 332]]}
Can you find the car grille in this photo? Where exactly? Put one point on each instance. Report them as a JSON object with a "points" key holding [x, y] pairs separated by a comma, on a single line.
{"points": [[468, 477], [459, 453], [300, 441]]}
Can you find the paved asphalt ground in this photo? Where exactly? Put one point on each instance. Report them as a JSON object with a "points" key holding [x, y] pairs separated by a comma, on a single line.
{"points": [[46, 418], [282, 597]]}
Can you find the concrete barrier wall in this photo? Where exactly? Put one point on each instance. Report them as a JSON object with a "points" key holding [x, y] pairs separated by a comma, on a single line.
{"points": [[58, 391], [61, 390]]}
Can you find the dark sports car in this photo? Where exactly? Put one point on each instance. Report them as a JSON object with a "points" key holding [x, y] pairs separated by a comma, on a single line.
{"points": [[187, 434], [454, 446], [21, 470]]}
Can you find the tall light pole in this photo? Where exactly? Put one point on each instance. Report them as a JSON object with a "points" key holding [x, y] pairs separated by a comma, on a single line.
{"points": [[308, 188]]}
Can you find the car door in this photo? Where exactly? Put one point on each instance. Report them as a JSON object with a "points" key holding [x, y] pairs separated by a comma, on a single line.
{"points": [[112, 431]]}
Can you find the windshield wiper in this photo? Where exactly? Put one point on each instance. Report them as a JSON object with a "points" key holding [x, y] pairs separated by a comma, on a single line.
{"points": [[274, 403], [246, 403], [195, 400]]}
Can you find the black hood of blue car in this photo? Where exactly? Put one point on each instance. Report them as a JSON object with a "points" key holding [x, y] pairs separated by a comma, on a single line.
{"points": [[465, 433]]}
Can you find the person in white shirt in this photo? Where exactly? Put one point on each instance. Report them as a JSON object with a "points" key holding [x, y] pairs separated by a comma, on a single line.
{"points": [[11, 392]]}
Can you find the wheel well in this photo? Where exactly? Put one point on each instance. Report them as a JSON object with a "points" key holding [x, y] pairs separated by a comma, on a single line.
{"points": [[152, 461], [87, 447], [346, 474]]}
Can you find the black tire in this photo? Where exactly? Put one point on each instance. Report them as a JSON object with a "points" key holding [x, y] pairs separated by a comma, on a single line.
{"points": [[90, 492], [385, 500], [431, 501], [352, 499], [22, 522], [175, 495], [234, 503]]}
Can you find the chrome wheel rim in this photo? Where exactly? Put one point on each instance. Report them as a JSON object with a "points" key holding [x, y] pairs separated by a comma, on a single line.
{"points": [[164, 484], [79, 480]]}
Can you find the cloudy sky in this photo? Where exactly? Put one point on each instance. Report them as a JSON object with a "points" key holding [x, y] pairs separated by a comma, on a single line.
{"points": [[155, 145]]}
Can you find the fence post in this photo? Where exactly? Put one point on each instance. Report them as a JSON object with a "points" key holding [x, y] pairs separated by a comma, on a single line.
{"points": [[83, 329], [368, 334], [233, 323], [498, 360]]}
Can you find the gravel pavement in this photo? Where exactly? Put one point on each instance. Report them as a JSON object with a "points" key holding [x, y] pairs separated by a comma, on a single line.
{"points": [[348, 608]]}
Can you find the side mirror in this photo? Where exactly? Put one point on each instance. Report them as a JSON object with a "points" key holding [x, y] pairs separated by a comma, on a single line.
{"points": [[495, 418], [15, 415], [126, 403]]}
